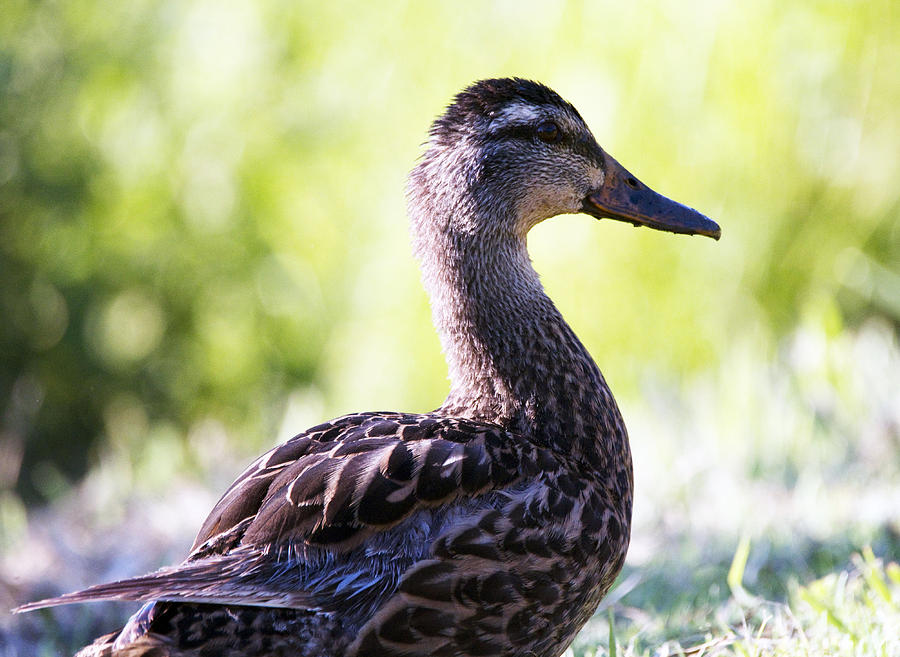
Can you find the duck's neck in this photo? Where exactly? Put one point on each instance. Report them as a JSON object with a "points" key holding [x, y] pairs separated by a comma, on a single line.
{"points": [[512, 358]]}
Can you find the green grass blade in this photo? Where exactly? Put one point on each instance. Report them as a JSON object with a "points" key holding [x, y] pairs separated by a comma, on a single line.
{"points": [[612, 635], [872, 573]]}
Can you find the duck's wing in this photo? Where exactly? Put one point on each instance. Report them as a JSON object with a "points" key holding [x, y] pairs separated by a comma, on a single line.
{"points": [[331, 518]]}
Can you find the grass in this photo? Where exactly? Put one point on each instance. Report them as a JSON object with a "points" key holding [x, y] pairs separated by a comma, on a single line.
{"points": [[850, 613], [765, 516]]}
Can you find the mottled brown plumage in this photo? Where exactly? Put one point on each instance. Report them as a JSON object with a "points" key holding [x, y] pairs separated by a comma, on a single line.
{"points": [[491, 526]]}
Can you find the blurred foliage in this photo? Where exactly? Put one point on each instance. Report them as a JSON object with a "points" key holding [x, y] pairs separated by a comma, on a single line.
{"points": [[202, 221]]}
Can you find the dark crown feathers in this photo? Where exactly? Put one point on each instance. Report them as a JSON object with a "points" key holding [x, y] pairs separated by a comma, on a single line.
{"points": [[485, 98]]}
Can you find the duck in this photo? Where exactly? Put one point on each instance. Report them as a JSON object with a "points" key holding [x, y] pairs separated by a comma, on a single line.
{"points": [[493, 525]]}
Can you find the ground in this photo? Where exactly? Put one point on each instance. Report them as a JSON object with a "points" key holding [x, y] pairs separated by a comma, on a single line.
{"points": [[765, 516]]}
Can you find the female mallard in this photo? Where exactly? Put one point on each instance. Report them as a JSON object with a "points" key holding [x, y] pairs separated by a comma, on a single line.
{"points": [[491, 526]]}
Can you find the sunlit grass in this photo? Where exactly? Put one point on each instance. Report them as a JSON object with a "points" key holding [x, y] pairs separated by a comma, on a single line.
{"points": [[850, 613]]}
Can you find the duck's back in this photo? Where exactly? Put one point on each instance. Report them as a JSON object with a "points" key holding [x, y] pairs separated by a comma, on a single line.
{"points": [[383, 534]]}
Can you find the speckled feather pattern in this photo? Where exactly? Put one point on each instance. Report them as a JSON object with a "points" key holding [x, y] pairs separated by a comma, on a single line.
{"points": [[491, 526]]}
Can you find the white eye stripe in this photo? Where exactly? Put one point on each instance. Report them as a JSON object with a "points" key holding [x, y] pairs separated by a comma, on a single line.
{"points": [[516, 113], [526, 115]]}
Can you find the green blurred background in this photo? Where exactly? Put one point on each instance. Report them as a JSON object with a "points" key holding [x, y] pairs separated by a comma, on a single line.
{"points": [[203, 240]]}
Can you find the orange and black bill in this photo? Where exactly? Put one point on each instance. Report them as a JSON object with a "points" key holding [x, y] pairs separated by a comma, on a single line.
{"points": [[625, 198]]}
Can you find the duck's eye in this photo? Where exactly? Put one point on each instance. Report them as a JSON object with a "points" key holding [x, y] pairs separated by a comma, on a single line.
{"points": [[548, 132]]}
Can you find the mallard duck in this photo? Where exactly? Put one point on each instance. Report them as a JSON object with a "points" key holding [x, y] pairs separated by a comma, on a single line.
{"points": [[493, 525]]}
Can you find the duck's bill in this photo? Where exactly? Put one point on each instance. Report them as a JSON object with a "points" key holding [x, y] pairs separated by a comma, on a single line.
{"points": [[625, 198]]}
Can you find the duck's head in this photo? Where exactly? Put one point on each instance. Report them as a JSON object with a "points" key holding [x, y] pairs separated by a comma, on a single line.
{"points": [[509, 153]]}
